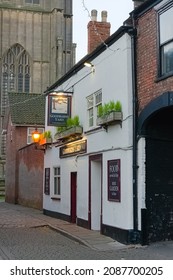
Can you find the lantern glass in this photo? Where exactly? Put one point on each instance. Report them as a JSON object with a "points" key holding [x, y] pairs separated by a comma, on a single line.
{"points": [[36, 136]]}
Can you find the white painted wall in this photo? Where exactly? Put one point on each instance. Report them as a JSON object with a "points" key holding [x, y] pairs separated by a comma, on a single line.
{"points": [[112, 75]]}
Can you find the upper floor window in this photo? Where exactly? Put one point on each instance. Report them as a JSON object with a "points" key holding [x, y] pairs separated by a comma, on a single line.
{"points": [[93, 102], [32, 2], [166, 41]]}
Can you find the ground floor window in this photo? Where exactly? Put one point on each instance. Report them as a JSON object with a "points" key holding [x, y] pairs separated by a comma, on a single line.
{"points": [[57, 181]]}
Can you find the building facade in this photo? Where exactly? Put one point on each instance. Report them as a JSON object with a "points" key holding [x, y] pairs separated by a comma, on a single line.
{"points": [[154, 61], [35, 49], [88, 170], [24, 173], [118, 178]]}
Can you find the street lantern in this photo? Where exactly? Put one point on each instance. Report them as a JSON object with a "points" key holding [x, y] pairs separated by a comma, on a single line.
{"points": [[36, 136]]}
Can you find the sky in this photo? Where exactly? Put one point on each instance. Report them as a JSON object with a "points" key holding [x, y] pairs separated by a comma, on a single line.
{"points": [[118, 12]]}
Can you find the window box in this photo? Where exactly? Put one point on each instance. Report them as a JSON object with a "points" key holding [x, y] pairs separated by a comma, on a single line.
{"points": [[69, 132], [111, 118], [46, 141]]}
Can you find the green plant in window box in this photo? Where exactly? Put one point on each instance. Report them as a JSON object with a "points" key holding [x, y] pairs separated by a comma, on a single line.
{"points": [[46, 138], [72, 127], [109, 113]]}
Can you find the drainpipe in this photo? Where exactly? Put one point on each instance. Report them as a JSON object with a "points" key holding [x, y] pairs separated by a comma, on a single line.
{"points": [[134, 237]]}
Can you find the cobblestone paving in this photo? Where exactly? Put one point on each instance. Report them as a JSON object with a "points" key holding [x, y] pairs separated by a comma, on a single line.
{"points": [[44, 243], [26, 235]]}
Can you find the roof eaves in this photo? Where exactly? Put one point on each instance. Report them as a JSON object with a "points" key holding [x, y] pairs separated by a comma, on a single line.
{"points": [[89, 57], [147, 5]]}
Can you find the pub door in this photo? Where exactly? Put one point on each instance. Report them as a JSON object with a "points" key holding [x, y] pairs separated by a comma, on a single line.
{"points": [[73, 196], [95, 199]]}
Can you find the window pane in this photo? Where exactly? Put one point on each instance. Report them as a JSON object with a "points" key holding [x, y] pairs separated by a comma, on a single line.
{"points": [[57, 185], [27, 83], [20, 83], [57, 171], [91, 117], [98, 97], [166, 26], [90, 101], [167, 58]]}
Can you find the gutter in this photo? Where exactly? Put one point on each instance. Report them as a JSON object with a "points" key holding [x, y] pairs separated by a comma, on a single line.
{"points": [[135, 234]]}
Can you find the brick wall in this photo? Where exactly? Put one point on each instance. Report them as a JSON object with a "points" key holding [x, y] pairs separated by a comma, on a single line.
{"points": [[24, 169], [148, 85], [16, 138], [30, 176], [98, 31]]}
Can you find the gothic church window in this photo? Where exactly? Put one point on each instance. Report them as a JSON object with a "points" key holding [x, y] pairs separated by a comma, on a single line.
{"points": [[15, 73]]}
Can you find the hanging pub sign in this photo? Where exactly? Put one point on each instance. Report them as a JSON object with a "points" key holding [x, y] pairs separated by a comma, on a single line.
{"points": [[114, 190], [59, 109]]}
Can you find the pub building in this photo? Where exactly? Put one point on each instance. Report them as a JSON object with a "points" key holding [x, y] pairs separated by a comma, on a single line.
{"points": [[113, 172], [88, 167]]}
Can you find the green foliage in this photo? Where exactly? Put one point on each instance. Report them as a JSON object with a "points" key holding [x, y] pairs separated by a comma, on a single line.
{"points": [[71, 122], [109, 107], [118, 106], [47, 134]]}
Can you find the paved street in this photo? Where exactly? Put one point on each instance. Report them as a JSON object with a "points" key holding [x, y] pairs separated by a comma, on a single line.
{"points": [[26, 233]]}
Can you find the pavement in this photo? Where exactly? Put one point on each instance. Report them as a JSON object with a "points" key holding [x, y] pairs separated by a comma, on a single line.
{"points": [[16, 216]]}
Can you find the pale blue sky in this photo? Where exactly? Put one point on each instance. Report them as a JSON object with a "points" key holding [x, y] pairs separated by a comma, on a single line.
{"points": [[118, 12]]}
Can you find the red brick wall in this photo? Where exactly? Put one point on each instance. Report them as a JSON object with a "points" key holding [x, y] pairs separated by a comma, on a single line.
{"points": [[30, 178], [147, 84], [98, 32], [24, 169], [16, 138]]}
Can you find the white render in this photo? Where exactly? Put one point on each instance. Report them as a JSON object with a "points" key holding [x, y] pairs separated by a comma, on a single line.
{"points": [[113, 75]]}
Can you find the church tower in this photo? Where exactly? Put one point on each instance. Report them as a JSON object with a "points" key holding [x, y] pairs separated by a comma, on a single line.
{"points": [[36, 49]]}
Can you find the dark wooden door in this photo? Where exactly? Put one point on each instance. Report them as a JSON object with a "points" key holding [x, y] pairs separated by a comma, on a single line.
{"points": [[159, 200]]}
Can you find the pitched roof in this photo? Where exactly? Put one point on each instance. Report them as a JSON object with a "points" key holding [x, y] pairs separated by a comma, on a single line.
{"points": [[89, 57], [27, 109]]}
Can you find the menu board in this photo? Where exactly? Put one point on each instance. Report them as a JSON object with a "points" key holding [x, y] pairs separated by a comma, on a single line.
{"points": [[47, 181], [114, 190]]}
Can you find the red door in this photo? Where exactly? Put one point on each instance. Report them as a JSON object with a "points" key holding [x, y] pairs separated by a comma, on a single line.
{"points": [[73, 196]]}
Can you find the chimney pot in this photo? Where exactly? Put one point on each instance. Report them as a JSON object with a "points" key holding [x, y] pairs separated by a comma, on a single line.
{"points": [[94, 15], [104, 15], [98, 31]]}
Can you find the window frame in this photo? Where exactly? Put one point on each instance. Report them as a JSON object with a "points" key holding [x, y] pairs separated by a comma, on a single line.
{"points": [[30, 130], [91, 119], [57, 176], [163, 74]]}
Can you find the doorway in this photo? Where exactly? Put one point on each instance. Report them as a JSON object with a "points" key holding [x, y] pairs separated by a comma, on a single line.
{"points": [[73, 196], [159, 176], [95, 192]]}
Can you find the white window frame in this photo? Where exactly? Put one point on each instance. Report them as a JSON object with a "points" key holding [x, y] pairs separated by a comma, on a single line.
{"points": [[93, 102], [57, 179], [30, 130]]}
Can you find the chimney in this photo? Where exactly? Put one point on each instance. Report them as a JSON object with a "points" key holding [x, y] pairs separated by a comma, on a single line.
{"points": [[137, 3], [98, 31]]}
